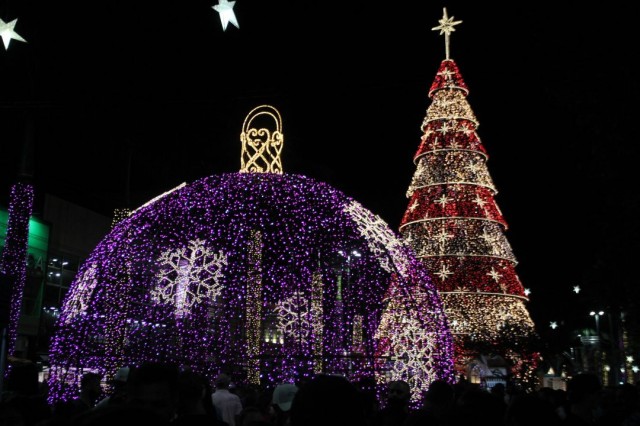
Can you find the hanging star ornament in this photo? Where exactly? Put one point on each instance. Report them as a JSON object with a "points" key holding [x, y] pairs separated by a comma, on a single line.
{"points": [[225, 9], [7, 32]]}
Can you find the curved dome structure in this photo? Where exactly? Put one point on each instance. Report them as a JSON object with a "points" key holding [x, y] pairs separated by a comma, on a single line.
{"points": [[268, 277]]}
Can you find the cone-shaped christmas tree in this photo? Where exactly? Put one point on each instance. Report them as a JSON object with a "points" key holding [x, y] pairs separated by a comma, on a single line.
{"points": [[457, 230]]}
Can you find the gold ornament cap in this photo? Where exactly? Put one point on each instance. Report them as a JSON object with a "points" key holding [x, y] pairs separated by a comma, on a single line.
{"points": [[261, 147]]}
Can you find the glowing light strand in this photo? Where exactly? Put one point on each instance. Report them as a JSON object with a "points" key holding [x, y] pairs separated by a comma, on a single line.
{"points": [[254, 306], [14, 255]]}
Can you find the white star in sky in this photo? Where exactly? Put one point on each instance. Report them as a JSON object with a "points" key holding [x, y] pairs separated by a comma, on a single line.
{"points": [[225, 9], [576, 289], [553, 325], [7, 33], [527, 292]]}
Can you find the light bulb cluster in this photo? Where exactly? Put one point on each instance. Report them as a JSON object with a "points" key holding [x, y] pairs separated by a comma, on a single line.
{"points": [[457, 230], [242, 273], [14, 255], [450, 201], [254, 305], [119, 215]]}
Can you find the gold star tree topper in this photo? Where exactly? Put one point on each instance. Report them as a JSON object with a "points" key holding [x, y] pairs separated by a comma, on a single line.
{"points": [[446, 28], [225, 9], [8, 33]]}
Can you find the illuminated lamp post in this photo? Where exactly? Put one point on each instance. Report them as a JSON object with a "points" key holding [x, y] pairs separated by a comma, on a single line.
{"points": [[597, 317], [598, 360]]}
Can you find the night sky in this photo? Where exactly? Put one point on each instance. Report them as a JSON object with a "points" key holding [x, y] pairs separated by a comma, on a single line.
{"points": [[131, 98]]}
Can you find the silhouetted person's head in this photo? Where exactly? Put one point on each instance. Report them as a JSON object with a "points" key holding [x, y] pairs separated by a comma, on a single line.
{"points": [[90, 388], [154, 386], [398, 393], [223, 381], [583, 388], [328, 400], [192, 389], [440, 394], [530, 410]]}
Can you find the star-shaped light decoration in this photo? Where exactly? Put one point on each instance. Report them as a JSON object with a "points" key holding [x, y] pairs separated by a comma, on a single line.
{"points": [[527, 292], [444, 272], [480, 202], [7, 32], [446, 28], [443, 200], [494, 274], [553, 325], [225, 9], [447, 73], [576, 289]]}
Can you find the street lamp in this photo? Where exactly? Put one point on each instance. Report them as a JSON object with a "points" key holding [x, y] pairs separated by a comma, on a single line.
{"points": [[597, 317]]}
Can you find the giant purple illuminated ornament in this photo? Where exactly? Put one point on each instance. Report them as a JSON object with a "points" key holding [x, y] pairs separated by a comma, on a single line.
{"points": [[267, 276]]}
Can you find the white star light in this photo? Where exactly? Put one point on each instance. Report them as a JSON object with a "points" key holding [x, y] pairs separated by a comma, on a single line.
{"points": [[446, 24], [576, 289], [447, 73], [553, 325], [446, 28], [444, 272], [225, 9], [480, 202], [443, 200], [7, 33], [494, 274], [527, 292]]}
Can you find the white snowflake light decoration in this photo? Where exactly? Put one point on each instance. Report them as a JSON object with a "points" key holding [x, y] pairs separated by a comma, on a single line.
{"points": [[412, 347], [78, 301], [379, 237], [294, 316], [189, 276]]}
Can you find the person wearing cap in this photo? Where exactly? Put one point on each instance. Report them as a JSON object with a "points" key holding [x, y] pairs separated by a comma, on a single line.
{"points": [[227, 404], [281, 401]]}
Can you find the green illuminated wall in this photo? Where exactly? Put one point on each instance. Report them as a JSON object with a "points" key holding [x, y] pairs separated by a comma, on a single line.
{"points": [[36, 264]]}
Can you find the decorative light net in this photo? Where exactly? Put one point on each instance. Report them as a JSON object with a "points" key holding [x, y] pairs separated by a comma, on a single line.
{"points": [[267, 277]]}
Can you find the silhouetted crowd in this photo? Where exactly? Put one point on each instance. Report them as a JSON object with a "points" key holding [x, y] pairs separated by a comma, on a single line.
{"points": [[156, 394]]}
